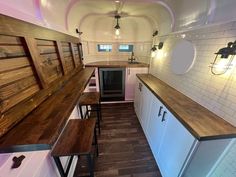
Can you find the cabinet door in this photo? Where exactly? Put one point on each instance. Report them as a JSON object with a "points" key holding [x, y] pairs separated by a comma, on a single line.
{"points": [[176, 144], [137, 98], [146, 102], [156, 127], [131, 80]]}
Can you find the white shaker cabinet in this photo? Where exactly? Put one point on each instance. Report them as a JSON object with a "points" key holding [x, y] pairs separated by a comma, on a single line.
{"points": [[130, 81], [177, 152], [156, 126], [137, 98], [177, 143]]}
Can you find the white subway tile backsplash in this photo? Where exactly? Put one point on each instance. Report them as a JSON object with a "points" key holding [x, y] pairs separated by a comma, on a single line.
{"points": [[216, 93]]}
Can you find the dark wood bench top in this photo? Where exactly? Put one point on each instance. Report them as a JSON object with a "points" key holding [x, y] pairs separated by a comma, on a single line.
{"points": [[76, 138], [89, 98], [202, 123], [41, 128]]}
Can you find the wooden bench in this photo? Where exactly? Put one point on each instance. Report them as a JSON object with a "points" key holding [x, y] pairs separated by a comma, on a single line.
{"points": [[76, 139]]}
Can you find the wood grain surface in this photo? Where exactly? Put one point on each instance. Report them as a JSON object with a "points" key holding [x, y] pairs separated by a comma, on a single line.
{"points": [[202, 123], [123, 147], [32, 67], [76, 138], [115, 64], [44, 124]]}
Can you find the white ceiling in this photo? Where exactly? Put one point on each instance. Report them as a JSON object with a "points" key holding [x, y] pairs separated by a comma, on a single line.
{"points": [[144, 15]]}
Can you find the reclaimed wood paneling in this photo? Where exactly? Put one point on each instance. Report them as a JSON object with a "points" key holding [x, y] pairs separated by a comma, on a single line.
{"points": [[15, 66], [68, 58], [32, 68], [49, 60], [76, 54]]}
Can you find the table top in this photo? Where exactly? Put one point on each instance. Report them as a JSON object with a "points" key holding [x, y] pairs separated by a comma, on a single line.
{"points": [[40, 129], [89, 98], [202, 123], [76, 139], [116, 64]]}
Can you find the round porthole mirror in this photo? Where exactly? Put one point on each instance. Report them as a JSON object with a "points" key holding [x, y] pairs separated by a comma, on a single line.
{"points": [[182, 57]]}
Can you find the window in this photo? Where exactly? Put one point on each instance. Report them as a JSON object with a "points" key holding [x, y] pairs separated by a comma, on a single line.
{"points": [[104, 47], [126, 48]]}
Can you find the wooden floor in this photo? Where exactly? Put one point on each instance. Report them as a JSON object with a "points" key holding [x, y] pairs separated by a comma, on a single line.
{"points": [[123, 148]]}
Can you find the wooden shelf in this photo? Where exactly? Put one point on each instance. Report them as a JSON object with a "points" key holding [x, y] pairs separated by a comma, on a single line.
{"points": [[41, 128]]}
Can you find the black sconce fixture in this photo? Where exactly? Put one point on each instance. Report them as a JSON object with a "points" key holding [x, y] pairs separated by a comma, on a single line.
{"points": [[78, 32], [155, 47], [224, 58], [155, 33], [117, 27]]}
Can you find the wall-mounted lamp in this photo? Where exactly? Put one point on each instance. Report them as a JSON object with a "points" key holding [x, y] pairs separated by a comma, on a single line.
{"points": [[78, 32], [155, 33], [154, 49], [117, 27], [224, 58]]}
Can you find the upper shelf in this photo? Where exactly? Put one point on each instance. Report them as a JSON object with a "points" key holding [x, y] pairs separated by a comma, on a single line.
{"points": [[116, 64], [202, 123], [41, 128]]}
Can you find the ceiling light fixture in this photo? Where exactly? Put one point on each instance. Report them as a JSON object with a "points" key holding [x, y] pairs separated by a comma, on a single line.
{"points": [[224, 59], [117, 27]]}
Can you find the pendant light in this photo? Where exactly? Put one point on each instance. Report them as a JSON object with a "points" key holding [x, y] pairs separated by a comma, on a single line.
{"points": [[117, 27]]}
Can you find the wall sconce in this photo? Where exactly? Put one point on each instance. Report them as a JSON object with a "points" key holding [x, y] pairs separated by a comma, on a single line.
{"points": [[78, 32], [154, 49], [224, 58], [155, 33]]}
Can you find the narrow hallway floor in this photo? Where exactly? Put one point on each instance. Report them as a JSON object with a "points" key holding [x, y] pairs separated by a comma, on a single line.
{"points": [[123, 148]]}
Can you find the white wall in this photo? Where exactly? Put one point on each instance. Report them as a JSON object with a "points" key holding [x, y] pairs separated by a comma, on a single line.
{"points": [[216, 93]]}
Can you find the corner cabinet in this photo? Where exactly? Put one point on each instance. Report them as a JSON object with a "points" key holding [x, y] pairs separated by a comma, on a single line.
{"points": [[177, 152], [130, 81]]}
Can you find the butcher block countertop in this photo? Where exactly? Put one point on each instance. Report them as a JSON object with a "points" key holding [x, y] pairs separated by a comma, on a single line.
{"points": [[202, 123], [116, 64], [41, 128]]}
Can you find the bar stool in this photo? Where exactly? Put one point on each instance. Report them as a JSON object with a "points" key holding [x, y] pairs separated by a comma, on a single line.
{"points": [[92, 100]]}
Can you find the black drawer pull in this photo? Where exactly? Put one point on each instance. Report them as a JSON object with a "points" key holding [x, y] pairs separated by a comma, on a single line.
{"points": [[163, 116], [160, 109]]}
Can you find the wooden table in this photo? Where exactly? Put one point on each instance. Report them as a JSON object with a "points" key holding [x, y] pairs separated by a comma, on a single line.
{"points": [[76, 139]]}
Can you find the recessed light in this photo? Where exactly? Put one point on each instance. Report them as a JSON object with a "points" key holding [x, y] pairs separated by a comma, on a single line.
{"points": [[117, 1]]}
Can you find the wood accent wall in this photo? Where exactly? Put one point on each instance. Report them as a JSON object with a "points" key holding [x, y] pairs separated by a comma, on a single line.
{"points": [[34, 63]]}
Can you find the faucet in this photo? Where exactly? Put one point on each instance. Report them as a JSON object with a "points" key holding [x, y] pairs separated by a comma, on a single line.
{"points": [[132, 59]]}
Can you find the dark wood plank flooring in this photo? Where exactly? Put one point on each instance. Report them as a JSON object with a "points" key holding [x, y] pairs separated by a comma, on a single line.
{"points": [[123, 148]]}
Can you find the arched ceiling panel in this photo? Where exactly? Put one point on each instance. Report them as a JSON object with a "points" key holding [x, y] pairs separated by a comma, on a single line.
{"points": [[151, 15]]}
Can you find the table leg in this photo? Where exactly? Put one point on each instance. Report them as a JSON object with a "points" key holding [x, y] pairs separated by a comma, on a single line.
{"points": [[98, 119], [96, 141], [90, 164], [81, 112], [59, 166]]}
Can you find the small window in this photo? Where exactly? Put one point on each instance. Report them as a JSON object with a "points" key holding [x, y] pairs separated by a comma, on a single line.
{"points": [[126, 48], [104, 47]]}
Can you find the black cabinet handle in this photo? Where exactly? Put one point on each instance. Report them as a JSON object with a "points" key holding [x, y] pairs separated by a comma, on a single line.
{"points": [[160, 109], [140, 87], [17, 161], [163, 116]]}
